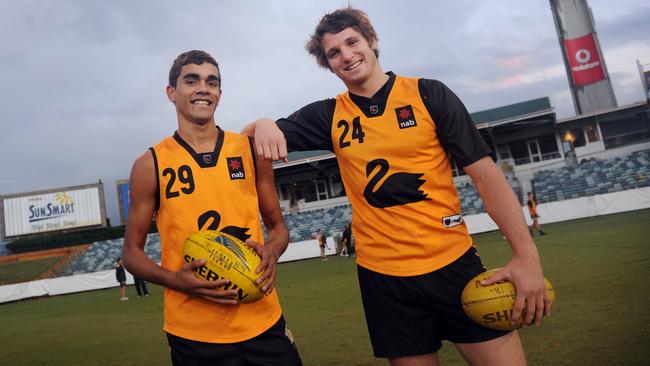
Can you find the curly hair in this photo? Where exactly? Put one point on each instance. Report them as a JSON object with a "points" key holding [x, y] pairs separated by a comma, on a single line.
{"points": [[334, 23]]}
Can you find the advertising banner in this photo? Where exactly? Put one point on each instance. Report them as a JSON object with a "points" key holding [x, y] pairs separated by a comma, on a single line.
{"points": [[52, 211], [123, 197], [584, 60]]}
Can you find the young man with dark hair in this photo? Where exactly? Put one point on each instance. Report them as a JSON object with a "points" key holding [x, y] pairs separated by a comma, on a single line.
{"points": [[392, 136], [204, 178]]}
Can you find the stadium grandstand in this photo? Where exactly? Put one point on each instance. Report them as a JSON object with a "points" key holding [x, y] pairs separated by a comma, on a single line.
{"points": [[532, 147], [583, 156]]}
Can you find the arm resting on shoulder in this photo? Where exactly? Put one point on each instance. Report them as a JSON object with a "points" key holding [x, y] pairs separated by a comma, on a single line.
{"points": [[270, 143]]}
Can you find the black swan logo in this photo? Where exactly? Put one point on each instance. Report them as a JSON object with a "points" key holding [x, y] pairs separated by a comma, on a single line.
{"points": [[397, 189], [240, 233]]}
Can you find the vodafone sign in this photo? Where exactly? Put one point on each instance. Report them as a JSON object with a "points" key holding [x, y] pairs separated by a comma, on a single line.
{"points": [[584, 60]]}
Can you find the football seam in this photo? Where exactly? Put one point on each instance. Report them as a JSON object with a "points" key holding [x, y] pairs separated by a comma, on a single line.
{"points": [[487, 299]]}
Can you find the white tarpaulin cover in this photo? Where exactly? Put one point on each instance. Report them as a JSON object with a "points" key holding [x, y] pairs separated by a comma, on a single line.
{"points": [[578, 208], [106, 279]]}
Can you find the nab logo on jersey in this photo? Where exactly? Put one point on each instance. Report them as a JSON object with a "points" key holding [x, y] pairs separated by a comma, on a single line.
{"points": [[236, 168], [405, 117]]}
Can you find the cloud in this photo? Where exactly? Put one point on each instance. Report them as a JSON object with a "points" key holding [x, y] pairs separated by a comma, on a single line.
{"points": [[83, 82]]}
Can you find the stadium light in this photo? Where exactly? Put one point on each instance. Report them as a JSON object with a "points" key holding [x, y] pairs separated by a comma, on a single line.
{"points": [[568, 136]]}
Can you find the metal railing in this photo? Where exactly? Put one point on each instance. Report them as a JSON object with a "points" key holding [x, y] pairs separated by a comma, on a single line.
{"points": [[538, 158]]}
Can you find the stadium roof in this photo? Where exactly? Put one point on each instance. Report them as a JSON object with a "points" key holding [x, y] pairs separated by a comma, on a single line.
{"points": [[602, 112], [302, 157], [512, 113]]}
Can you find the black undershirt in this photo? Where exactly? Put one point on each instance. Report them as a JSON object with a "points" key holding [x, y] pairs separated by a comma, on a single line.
{"points": [[309, 128]]}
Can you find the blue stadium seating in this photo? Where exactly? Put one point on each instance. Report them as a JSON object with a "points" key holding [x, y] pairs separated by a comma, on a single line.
{"points": [[102, 255], [302, 226], [590, 177], [470, 201], [593, 176]]}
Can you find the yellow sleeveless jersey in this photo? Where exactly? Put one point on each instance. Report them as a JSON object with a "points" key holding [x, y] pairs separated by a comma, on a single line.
{"points": [[532, 208], [215, 191], [406, 214]]}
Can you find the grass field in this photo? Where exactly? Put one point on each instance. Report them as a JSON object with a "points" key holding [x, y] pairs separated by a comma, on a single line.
{"points": [[22, 271], [597, 265]]}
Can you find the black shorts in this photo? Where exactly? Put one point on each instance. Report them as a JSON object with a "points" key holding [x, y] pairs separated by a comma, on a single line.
{"points": [[409, 316], [275, 347]]}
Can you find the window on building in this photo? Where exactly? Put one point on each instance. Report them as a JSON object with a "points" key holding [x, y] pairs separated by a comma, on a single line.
{"points": [[533, 150], [628, 129], [321, 189], [337, 186], [504, 152], [548, 147], [591, 130], [519, 150]]}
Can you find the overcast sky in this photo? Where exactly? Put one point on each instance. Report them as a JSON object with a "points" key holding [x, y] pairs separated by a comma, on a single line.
{"points": [[83, 81]]}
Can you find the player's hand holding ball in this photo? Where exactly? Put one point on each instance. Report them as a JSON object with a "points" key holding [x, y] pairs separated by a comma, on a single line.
{"points": [[188, 282], [492, 305], [224, 258], [267, 267]]}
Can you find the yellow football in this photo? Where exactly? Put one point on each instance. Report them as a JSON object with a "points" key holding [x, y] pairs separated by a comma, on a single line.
{"points": [[226, 257], [491, 306]]}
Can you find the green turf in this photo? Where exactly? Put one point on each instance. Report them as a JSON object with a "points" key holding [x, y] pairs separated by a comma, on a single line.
{"points": [[23, 271], [597, 265]]}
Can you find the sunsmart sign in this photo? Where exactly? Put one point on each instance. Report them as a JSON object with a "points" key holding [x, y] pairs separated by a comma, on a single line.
{"points": [[65, 209], [584, 60]]}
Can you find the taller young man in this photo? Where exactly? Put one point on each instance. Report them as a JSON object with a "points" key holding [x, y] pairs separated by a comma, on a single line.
{"points": [[205, 178], [392, 136]]}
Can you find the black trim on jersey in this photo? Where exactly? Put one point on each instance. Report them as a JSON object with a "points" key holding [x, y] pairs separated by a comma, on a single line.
{"points": [[454, 126], [204, 160], [310, 127], [155, 164], [375, 105], [250, 141]]}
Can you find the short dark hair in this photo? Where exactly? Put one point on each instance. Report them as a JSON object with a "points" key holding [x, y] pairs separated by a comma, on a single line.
{"points": [[334, 23], [197, 57]]}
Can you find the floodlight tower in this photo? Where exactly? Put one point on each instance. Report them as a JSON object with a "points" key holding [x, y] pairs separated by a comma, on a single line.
{"points": [[589, 80]]}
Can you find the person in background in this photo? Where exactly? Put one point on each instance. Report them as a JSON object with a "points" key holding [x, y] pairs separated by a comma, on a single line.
{"points": [[322, 243], [346, 238], [532, 210], [120, 276], [140, 287]]}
